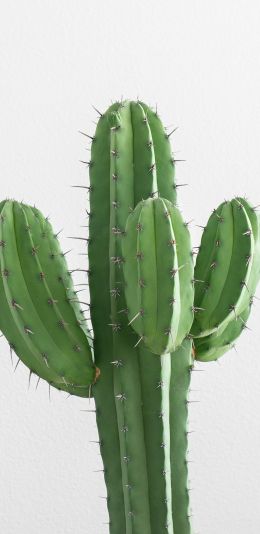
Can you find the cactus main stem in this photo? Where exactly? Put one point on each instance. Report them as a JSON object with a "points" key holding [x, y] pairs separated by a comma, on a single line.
{"points": [[149, 395], [135, 395]]}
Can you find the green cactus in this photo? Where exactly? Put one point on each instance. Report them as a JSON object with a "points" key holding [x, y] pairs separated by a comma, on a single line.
{"points": [[151, 313]]}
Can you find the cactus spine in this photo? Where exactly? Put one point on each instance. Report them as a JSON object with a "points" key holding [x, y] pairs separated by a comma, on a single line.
{"points": [[151, 313]]}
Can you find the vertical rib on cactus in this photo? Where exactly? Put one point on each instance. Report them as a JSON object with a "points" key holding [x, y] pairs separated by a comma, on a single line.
{"points": [[132, 447], [165, 385], [126, 166], [99, 234], [182, 362]]}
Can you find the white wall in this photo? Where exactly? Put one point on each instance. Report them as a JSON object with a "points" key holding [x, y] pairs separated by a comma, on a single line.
{"points": [[199, 60]]}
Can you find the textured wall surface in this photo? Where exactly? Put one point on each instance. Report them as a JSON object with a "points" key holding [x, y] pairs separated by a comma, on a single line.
{"points": [[200, 62]]}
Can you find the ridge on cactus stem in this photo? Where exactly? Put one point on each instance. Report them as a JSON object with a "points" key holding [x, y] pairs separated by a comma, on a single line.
{"points": [[211, 347], [255, 224], [152, 312]]}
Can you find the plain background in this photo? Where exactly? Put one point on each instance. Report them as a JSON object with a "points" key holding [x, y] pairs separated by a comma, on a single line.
{"points": [[199, 61]]}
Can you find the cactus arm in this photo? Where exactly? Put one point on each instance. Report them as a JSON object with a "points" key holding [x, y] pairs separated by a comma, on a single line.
{"points": [[158, 271], [226, 277], [245, 237], [23, 318], [212, 347], [99, 285]]}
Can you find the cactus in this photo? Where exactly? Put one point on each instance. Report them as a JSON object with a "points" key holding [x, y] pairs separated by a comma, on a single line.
{"points": [[152, 313]]}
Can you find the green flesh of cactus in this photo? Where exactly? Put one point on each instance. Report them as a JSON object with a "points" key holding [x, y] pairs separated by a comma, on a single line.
{"points": [[158, 270], [223, 268], [148, 323], [213, 346], [40, 315], [255, 266]]}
